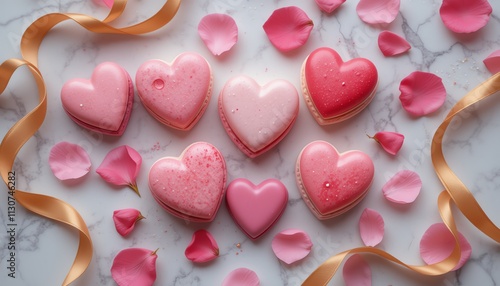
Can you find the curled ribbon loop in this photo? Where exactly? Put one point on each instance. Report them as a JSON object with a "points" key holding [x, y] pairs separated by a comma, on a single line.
{"points": [[454, 191], [26, 127]]}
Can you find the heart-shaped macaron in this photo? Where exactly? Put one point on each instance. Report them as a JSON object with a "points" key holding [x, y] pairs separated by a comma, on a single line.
{"points": [[335, 90], [191, 186], [103, 103], [256, 208], [257, 118], [331, 183], [175, 94]]}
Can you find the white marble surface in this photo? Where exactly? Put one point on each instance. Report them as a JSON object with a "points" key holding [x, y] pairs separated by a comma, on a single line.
{"points": [[46, 249]]}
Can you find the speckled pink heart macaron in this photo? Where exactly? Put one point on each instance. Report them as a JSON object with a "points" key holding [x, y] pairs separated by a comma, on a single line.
{"points": [[192, 185], [102, 104], [331, 183]]}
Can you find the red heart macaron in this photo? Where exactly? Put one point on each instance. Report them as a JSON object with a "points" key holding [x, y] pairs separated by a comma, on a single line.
{"points": [[331, 183], [335, 90], [191, 186], [256, 208], [102, 104]]}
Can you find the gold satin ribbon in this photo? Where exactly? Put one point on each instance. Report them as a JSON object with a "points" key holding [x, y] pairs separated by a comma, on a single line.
{"points": [[26, 127], [455, 191]]}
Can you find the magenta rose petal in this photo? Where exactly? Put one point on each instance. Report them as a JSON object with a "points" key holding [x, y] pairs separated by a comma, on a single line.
{"points": [[241, 277], [291, 245], [492, 62], [422, 93], [403, 188], [329, 6], [371, 227], [202, 248], [125, 220], [391, 142], [357, 271], [378, 11], [465, 16], [219, 32], [288, 28], [134, 267], [438, 243], [391, 44], [69, 161]]}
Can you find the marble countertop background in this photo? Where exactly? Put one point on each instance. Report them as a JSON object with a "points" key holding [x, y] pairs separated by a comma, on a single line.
{"points": [[45, 249]]}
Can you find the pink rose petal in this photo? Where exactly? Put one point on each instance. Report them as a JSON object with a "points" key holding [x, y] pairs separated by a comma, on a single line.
{"points": [[391, 44], [288, 28], [437, 244], [391, 142], [121, 166], [403, 188], [422, 93], [378, 11], [202, 248], [329, 6], [371, 227], [357, 272], [241, 277], [465, 16], [69, 161], [134, 267], [492, 62], [291, 245], [107, 3], [219, 32], [125, 220]]}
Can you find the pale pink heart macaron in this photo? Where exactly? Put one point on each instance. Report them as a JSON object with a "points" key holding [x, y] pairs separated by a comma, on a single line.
{"points": [[331, 183], [176, 93], [255, 117], [192, 185], [102, 104]]}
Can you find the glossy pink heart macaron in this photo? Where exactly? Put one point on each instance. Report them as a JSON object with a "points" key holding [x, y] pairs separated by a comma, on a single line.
{"points": [[256, 117], [331, 183], [191, 186], [176, 94], [335, 90], [102, 104], [256, 208]]}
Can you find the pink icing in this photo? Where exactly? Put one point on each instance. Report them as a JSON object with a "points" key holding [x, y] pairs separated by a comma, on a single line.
{"points": [[256, 208], [333, 181], [103, 103], [257, 117], [191, 186], [335, 87], [176, 94]]}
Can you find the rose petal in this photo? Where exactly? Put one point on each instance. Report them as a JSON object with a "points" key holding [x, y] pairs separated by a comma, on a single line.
{"points": [[492, 62], [378, 11], [357, 272], [134, 267], [288, 28], [329, 6], [219, 32], [465, 16], [438, 243], [391, 142], [107, 3], [422, 93], [121, 166], [291, 245], [241, 277], [371, 227], [69, 161], [125, 220], [202, 248], [391, 44], [403, 188]]}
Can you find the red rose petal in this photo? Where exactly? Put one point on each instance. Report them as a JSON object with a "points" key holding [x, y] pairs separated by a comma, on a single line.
{"points": [[134, 267], [422, 93], [202, 248], [465, 16], [391, 44], [288, 28], [403, 188], [107, 3], [125, 220], [69, 161], [241, 277], [329, 6], [378, 11], [492, 62], [391, 142], [371, 227], [438, 243], [357, 272], [219, 32]]}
